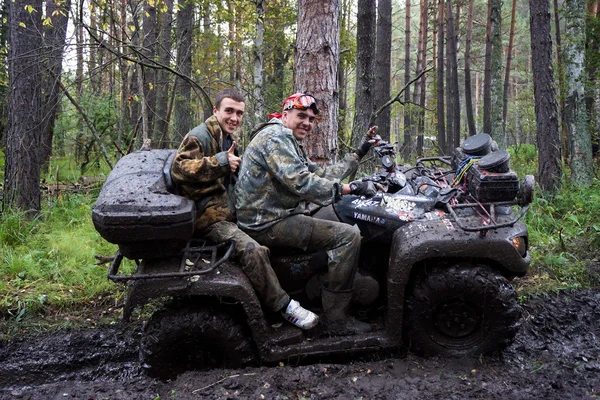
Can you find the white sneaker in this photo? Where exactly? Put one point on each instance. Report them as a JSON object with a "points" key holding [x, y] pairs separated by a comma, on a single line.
{"points": [[299, 316]]}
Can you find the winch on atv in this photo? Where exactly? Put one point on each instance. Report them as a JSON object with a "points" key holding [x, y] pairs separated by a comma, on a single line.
{"points": [[440, 243]]}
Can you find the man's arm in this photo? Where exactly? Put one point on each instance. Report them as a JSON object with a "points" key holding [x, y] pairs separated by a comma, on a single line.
{"points": [[193, 165]]}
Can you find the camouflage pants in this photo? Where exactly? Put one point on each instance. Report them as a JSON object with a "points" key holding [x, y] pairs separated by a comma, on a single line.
{"points": [[254, 260], [341, 242]]}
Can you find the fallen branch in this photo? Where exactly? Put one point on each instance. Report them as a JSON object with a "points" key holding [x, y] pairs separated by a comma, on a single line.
{"points": [[219, 381]]}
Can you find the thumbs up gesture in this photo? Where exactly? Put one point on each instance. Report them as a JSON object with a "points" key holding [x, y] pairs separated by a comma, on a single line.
{"points": [[234, 161]]}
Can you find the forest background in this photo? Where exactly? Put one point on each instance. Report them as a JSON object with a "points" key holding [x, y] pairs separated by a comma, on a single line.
{"points": [[85, 82]]}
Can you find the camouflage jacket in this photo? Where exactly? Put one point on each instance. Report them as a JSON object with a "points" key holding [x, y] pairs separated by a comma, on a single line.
{"points": [[277, 179], [200, 169]]}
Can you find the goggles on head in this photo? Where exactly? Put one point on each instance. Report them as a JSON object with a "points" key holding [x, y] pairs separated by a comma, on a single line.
{"points": [[300, 101]]}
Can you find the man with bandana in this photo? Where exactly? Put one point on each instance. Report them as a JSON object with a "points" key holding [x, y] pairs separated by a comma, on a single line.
{"points": [[205, 168], [276, 188]]}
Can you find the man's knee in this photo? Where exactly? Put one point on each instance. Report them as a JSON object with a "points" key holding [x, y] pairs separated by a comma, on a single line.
{"points": [[348, 234], [255, 252]]}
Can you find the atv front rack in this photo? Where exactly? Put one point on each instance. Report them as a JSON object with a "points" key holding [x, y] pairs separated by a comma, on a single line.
{"points": [[198, 257], [463, 222]]}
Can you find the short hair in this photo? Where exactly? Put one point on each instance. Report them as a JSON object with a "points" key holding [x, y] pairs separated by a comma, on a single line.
{"points": [[232, 94]]}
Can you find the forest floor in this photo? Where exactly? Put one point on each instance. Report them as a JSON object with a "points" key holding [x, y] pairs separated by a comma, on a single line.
{"points": [[556, 355]]}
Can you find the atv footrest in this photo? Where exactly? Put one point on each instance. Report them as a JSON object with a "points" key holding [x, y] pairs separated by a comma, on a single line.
{"points": [[197, 258]]}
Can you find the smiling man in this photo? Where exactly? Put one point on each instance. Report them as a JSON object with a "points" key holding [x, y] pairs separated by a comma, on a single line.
{"points": [[276, 184], [203, 167]]}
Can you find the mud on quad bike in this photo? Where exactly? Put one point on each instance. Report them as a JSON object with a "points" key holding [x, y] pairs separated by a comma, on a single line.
{"points": [[440, 244]]}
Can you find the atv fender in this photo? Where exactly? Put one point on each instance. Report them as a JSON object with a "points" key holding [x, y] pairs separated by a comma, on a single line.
{"points": [[226, 282], [442, 239]]}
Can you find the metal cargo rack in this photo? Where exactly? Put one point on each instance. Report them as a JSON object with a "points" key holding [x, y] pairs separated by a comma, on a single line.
{"points": [[198, 257]]}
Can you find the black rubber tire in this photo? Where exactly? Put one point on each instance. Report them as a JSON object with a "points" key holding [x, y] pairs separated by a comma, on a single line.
{"points": [[461, 310], [193, 337]]}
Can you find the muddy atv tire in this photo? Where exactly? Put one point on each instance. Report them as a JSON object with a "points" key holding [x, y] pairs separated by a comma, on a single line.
{"points": [[193, 337], [461, 310]]}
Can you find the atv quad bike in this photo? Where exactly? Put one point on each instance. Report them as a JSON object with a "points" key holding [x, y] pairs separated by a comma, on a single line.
{"points": [[440, 244]]}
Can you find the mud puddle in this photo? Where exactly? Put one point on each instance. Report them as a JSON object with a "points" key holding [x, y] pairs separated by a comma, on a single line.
{"points": [[556, 355]]}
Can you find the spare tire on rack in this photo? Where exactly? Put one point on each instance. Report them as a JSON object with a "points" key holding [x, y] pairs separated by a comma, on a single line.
{"points": [[460, 310], [193, 337]]}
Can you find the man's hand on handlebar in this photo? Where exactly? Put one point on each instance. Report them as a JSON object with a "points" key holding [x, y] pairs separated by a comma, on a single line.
{"points": [[363, 188], [371, 139]]}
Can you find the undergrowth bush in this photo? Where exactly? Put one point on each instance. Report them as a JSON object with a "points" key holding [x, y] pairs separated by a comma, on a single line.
{"points": [[564, 233]]}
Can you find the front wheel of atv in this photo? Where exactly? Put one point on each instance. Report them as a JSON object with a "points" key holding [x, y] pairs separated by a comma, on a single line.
{"points": [[193, 337], [461, 310]]}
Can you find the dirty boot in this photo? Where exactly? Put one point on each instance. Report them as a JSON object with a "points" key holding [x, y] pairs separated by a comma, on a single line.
{"points": [[299, 316], [335, 314]]}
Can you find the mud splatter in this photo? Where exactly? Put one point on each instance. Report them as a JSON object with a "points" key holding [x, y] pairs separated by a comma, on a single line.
{"points": [[556, 355]]}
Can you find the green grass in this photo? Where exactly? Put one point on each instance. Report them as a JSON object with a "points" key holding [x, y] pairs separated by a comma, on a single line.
{"points": [[48, 265]]}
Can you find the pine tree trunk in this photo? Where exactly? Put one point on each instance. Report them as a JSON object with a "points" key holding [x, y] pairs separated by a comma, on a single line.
{"points": [[54, 46], [508, 64], [548, 140], [165, 21], [316, 67], [420, 86], [487, 74], [182, 110], [468, 94], [383, 57], [365, 44], [259, 104], [408, 126], [23, 139], [576, 119], [453, 101], [441, 129], [497, 76], [561, 83]]}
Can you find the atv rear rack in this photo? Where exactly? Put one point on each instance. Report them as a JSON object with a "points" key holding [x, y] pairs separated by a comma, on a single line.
{"points": [[462, 221], [198, 257]]}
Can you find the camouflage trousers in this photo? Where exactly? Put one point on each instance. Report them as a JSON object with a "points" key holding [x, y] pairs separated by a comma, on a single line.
{"points": [[254, 260], [340, 241]]}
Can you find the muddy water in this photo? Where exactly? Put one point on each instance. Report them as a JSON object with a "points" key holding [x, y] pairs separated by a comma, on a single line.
{"points": [[556, 356]]}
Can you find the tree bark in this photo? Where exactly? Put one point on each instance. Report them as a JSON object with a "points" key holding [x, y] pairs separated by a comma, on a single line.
{"points": [[576, 119], [383, 61], [511, 41], [182, 108], [548, 140], [259, 104], [316, 67], [365, 44], [420, 86], [497, 81], [408, 126], [23, 139], [441, 129], [468, 85], [487, 74], [453, 101], [165, 22], [54, 46]]}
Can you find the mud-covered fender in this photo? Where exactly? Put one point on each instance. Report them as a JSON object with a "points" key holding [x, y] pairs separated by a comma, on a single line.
{"points": [[442, 239]]}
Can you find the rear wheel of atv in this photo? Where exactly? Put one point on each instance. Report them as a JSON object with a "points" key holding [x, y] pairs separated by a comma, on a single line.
{"points": [[461, 310], [193, 337]]}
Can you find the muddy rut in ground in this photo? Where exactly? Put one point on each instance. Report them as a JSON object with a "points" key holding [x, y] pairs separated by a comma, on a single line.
{"points": [[556, 355]]}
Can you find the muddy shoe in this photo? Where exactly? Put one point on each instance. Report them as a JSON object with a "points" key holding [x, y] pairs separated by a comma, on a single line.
{"points": [[299, 316], [336, 318]]}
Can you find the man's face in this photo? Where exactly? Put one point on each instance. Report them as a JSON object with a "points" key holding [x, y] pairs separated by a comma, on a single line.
{"points": [[300, 122], [229, 114]]}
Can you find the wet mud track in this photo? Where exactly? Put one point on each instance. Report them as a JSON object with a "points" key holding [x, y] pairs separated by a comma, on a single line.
{"points": [[556, 355]]}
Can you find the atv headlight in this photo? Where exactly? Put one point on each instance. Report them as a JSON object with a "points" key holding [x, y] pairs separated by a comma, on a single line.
{"points": [[520, 243]]}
